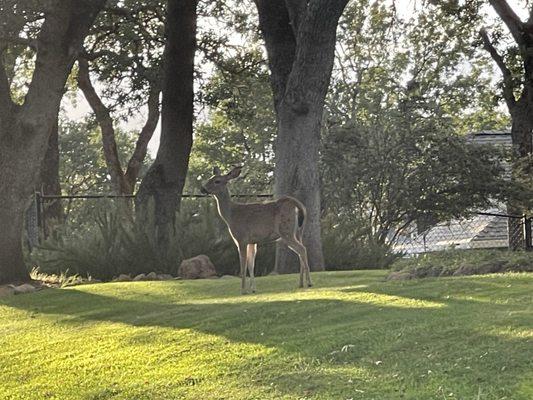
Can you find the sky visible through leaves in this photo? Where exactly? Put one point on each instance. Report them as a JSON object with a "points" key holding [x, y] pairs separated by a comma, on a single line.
{"points": [[78, 109]]}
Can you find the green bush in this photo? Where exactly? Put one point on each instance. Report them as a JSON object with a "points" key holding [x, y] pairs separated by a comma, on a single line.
{"points": [[347, 246], [462, 262], [112, 244]]}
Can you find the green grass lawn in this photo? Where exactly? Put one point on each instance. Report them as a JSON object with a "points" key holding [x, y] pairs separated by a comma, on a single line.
{"points": [[352, 336]]}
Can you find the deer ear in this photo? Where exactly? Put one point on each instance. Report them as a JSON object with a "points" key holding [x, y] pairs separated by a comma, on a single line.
{"points": [[216, 171], [234, 173]]}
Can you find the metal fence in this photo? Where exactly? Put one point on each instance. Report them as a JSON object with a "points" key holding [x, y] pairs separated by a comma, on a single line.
{"points": [[39, 216], [483, 230]]}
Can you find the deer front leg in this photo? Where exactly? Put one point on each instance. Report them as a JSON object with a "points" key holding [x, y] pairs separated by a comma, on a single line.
{"points": [[243, 259], [252, 251]]}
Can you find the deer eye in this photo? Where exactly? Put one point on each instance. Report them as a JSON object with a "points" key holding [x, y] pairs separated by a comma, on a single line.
{"points": [[217, 181]]}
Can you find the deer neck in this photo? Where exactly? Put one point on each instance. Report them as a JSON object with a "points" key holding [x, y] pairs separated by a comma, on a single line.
{"points": [[224, 204]]}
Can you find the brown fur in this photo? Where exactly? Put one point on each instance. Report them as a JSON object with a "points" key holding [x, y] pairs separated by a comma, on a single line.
{"points": [[253, 223]]}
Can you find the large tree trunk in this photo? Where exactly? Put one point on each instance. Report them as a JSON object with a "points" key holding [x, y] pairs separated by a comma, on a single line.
{"points": [[25, 130], [49, 180], [14, 200], [296, 174], [521, 109], [521, 134], [161, 189], [300, 38], [11, 259]]}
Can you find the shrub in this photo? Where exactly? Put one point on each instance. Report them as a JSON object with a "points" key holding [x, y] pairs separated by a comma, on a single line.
{"points": [[112, 244], [462, 262], [346, 247]]}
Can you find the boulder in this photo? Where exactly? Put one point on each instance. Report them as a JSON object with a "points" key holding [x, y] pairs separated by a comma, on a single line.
{"points": [[199, 267], [152, 276], [25, 288], [164, 277], [7, 290], [140, 277], [122, 278]]}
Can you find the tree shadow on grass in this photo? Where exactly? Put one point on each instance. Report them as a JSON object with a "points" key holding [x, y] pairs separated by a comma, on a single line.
{"points": [[355, 343]]}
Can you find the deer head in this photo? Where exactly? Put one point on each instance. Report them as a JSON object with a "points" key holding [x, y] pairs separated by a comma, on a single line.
{"points": [[217, 183]]}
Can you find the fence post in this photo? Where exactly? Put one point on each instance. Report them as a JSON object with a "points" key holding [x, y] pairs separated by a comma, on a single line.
{"points": [[527, 233]]}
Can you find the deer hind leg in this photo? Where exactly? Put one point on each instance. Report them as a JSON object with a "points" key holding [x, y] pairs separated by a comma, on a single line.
{"points": [[252, 251], [299, 238], [300, 250], [291, 234], [243, 260]]}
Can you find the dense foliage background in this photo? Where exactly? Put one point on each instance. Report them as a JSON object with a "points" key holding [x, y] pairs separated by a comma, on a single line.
{"points": [[406, 90]]}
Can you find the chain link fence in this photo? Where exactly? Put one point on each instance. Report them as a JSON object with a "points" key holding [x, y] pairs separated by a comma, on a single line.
{"points": [[483, 230]]}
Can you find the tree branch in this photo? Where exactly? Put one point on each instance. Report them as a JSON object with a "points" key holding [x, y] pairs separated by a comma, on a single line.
{"points": [[280, 42], [296, 9], [314, 55], [510, 19], [103, 116], [31, 43], [59, 43], [141, 146], [508, 86]]}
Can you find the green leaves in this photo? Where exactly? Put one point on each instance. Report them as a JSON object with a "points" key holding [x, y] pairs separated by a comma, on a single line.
{"points": [[401, 168]]}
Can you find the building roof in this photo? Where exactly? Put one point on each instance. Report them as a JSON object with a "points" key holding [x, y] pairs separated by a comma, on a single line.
{"points": [[501, 138], [479, 231]]}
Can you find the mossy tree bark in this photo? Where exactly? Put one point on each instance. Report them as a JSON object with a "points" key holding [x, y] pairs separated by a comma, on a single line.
{"points": [[161, 189], [25, 129], [300, 38], [49, 183]]}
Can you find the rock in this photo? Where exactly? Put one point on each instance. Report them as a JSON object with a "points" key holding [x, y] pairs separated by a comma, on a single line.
{"points": [[199, 267], [140, 277], [25, 288], [122, 278], [164, 277], [152, 276], [227, 277], [399, 276], [8, 290]]}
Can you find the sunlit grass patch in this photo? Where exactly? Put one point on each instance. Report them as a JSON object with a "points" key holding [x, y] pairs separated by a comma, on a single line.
{"points": [[351, 336]]}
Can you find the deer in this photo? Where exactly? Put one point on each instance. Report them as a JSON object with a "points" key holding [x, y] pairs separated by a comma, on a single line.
{"points": [[250, 224]]}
